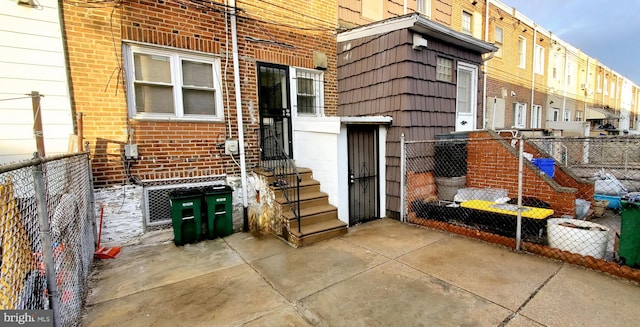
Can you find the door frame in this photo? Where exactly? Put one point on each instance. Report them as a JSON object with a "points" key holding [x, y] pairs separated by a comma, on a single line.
{"points": [[473, 96], [383, 123], [371, 133], [288, 108]]}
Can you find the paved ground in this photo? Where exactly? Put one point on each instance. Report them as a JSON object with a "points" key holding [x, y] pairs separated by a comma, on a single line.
{"points": [[383, 273]]}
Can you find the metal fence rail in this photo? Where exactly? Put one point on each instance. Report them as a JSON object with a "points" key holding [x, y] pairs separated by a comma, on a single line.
{"points": [[48, 235], [558, 197]]}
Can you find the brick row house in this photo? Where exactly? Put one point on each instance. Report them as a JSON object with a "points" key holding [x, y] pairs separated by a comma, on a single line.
{"points": [[167, 94]]}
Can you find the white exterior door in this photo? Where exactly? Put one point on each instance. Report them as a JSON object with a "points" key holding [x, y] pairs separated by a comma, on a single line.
{"points": [[467, 91]]}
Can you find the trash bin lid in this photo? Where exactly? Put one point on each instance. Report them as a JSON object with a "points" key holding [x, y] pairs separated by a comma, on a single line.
{"points": [[217, 189], [185, 193], [628, 204]]}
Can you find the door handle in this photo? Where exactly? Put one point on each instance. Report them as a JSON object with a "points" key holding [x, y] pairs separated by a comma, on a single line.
{"points": [[352, 179]]}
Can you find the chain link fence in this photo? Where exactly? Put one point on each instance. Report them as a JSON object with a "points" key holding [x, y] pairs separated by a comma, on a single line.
{"points": [[48, 235], [573, 199]]}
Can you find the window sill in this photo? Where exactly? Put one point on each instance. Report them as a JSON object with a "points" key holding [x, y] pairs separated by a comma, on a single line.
{"points": [[178, 119]]}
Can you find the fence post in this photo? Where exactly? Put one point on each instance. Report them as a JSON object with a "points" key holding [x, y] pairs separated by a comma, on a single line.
{"points": [[37, 123], [47, 247], [403, 194], [92, 197], [520, 171]]}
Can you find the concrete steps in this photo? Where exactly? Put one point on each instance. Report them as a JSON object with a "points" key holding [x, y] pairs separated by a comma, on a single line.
{"points": [[318, 219]]}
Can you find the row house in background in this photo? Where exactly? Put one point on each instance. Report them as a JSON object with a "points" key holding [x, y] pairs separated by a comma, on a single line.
{"points": [[535, 80], [517, 74]]}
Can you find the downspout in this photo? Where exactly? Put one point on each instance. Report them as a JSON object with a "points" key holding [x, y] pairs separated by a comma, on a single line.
{"points": [[564, 84], [485, 67], [533, 71], [586, 91], [404, 7], [236, 82]]}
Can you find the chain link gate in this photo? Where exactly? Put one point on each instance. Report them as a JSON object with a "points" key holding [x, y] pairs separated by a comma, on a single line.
{"points": [[48, 235], [558, 197]]}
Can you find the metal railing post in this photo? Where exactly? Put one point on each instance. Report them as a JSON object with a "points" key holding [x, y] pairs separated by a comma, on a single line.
{"points": [[47, 246], [520, 180]]}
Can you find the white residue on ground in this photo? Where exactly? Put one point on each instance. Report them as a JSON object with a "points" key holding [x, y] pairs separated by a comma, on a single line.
{"points": [[122, 218]]}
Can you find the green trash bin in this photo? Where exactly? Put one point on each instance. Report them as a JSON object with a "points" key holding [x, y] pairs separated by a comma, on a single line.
{"points": [[186, 215], [219, 208], [629, 244]]}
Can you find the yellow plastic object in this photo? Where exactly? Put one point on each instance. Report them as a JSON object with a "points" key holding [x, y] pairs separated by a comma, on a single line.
{"points": [[507, 209], [17, 258]]}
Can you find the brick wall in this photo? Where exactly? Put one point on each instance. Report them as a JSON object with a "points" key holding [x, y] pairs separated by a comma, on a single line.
{"points": [[494, 164], [94, 41]]}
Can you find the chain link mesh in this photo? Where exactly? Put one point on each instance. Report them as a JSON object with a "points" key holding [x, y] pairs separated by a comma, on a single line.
{"points": [[573, 197], [69, 204]]}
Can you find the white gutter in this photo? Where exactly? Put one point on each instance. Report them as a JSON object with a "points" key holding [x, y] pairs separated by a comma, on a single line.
{"points": [[236, 81], [564, 84], [533, 71], [586, 91]]}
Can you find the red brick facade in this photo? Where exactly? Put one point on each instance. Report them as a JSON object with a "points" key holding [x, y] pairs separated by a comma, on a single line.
{"points": [[494, 164], [95, 36]]}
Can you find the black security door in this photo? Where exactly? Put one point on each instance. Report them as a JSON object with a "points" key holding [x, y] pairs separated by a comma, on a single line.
{"points": [[363, 173], [275, 111]]}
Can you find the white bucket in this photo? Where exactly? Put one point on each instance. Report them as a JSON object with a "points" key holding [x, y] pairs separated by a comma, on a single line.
{"points": [[586, 238]]}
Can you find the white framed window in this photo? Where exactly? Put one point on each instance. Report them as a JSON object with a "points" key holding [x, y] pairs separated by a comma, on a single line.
{"points": [[444, 69], [606, 86], [539, 60], [466, 22], [555, 115], [599, 90], [556, 64], [613, 90], [424, 7], [498, 37], [166, 84], [522, 52], [536, 116], [566, 115], [569, 73], [307, 89], [519, 115], [578, 116]]}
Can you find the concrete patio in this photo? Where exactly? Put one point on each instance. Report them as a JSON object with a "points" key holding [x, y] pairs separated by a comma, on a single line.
{"points": [[382, 273]]}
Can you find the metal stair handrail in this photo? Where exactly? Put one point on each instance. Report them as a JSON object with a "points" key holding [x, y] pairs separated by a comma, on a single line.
{"points": [[286, 175]]}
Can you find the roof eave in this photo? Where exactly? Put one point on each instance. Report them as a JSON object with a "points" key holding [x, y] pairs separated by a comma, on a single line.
{"points": [[420, 24]]}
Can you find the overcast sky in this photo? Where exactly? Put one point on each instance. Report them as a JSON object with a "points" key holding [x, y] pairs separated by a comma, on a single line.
{"points": [[608, 30]]}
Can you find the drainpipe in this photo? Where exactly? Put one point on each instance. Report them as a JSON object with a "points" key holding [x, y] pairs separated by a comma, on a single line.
{"points": [[564, 84], [404, 7], [236, 81], [533, 71], [586, 91], [485, 67]]}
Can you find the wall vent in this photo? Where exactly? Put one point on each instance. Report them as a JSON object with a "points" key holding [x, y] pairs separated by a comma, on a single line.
{"points": [[157, 207]]}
